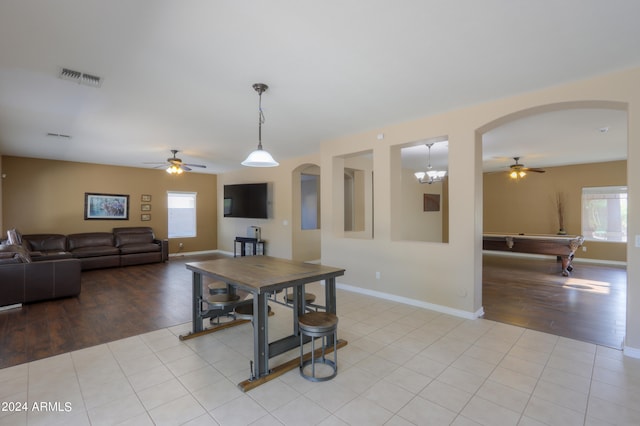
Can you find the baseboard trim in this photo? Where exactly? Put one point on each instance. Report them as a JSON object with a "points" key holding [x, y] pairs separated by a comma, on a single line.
{"points": [[631, 352], [193, 253], [412, 302], [7, 307]]}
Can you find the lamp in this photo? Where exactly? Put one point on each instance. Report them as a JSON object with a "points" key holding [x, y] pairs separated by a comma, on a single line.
{"points": [[260, 157], [430, 176]]}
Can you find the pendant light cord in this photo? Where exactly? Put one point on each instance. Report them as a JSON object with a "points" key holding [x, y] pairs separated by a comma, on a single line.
{"points": [[260, 119]]}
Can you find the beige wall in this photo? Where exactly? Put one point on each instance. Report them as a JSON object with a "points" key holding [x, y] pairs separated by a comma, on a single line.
{"points": [[277, 230], [529, 205], [47, 196], [449, 276]]}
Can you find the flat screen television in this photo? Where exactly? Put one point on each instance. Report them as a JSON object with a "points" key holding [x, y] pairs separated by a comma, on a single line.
{"points": [[248, 200]]}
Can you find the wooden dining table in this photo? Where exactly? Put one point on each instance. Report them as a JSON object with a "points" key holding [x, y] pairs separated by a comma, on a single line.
{"points": [[262, 277]]}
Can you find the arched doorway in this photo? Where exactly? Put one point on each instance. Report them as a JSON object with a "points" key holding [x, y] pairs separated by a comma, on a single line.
{"points": [[546, 301]]}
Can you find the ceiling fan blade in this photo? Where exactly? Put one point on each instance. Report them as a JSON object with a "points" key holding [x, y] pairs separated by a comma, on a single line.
{"points": [[533, 169], [196, 165], [185, 168]]}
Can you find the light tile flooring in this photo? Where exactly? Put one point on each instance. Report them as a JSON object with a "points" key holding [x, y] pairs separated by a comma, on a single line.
{"points": [[403, 366]]}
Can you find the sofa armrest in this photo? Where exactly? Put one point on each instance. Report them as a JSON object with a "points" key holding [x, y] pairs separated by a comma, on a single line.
{"points": [[164, 244], [31, 282]]}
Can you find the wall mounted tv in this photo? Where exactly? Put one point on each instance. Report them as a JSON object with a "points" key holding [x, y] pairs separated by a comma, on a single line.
{"points": [[248, 200]]}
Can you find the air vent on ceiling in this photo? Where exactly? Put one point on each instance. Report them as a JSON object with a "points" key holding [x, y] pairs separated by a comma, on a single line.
{"points": [[80, 77], [58, 135]]}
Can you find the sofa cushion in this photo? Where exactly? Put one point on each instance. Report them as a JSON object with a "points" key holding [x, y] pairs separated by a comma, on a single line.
{"points": [[95, 251], [45, 242], [90, 239], [140, 248], [133, 235]]}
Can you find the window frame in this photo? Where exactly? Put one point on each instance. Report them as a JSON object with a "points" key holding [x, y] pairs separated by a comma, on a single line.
{"points": [[613, 192], [183, 194]]}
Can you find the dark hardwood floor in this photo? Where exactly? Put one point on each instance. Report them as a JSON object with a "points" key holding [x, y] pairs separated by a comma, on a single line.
{"points": [[122, 302], [114, 303], [590, 305]]}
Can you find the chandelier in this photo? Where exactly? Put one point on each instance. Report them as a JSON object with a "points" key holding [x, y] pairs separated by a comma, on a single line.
{"points": [[260, 157], [430, 176]]}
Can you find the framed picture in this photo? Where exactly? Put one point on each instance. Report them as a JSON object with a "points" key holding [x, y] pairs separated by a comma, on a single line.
{"points": [[145, 217], [106, 206], [431, 202], [145, 207], [145, 198]]}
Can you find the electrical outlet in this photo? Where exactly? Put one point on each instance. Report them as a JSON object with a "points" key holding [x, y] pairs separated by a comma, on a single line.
{"points": [[377, 275], [180, 245], [584, 248]]}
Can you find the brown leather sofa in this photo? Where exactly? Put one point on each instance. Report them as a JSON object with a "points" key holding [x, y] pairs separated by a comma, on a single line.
{"points": [[123, 247], [139, 245], [94, 249], [23, 281]]}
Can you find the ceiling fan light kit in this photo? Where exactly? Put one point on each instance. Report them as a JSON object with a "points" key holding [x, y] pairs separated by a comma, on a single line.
{"points": [[518, 170], [175, 166], [260, 157]]}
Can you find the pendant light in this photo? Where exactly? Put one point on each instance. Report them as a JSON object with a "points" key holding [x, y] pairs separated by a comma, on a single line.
{"points": [[430, 176], [260, 157]]}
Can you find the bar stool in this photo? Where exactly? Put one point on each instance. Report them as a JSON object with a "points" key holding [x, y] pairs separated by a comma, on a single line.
{"points": [[309, 298], [222, 302], [245, 312], [217, 287], [324, 325]]}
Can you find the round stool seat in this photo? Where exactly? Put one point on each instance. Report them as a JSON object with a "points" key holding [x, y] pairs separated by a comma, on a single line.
{"points": [[217, 287], [325, 326], [308, 298], [317, 322], [246, 311], [222, 300]]}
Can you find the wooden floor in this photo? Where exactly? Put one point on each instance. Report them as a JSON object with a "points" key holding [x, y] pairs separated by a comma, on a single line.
{"points": [[114, 303], [121, 302], [590, 305]]}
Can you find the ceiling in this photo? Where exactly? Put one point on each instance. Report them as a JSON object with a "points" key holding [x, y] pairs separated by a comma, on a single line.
{"points": [[179, 75]]}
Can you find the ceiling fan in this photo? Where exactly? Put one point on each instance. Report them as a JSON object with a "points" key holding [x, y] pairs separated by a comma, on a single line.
{"points": [[518, 170], [175, 164]]}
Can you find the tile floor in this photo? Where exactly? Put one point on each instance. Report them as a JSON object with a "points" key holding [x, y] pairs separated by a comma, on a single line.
{"points": [[403, 366]]}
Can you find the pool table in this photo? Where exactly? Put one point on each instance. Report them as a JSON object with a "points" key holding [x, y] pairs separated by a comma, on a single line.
{"points": [[562, 246]]}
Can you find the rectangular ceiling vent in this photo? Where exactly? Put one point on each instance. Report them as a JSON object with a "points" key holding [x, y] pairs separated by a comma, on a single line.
{"points": [[80, 77], [58, 135]]}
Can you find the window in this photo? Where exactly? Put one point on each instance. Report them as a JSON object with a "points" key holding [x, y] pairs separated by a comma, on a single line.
{"points": [[604, 213], [182, 214]]}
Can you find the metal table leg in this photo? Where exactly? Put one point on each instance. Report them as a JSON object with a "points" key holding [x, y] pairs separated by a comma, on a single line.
{"points": [[196, 308], [260, 335]]}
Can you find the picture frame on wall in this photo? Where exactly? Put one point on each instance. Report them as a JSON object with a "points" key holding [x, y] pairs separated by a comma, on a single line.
{"points": [[99, 206], [145, 207], [145, 217], [431, 203], [145, 198]]}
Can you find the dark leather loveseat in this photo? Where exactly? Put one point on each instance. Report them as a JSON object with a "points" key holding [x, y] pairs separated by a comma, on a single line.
{"points": [[22, 280]]}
